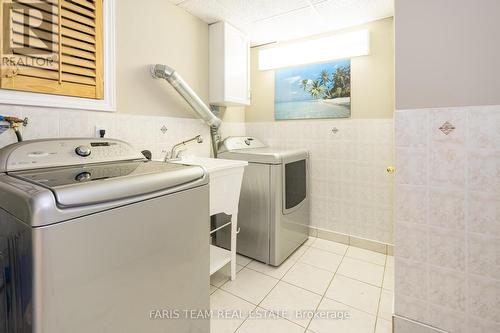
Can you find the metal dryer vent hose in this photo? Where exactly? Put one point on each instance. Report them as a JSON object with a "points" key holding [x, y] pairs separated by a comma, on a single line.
{"points": [[170, 75]]}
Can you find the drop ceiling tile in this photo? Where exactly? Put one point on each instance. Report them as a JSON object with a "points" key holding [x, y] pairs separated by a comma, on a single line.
{"points": [[278, 20], [254, 10], [209, 11], [296, 24], [338, 14]]}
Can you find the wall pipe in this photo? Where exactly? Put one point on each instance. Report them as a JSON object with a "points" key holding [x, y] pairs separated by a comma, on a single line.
{"points": [[171, 76]]}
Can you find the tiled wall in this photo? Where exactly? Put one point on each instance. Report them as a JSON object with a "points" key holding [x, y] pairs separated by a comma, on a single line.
{"points": [[447, 218], [144, 132], [351, 192]]}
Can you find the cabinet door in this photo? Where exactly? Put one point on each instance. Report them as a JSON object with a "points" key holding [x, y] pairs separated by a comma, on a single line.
{"points": [[237, 77]]}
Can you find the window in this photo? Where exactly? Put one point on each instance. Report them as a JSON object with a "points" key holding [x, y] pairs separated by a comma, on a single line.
{"points": [[61, 50]]}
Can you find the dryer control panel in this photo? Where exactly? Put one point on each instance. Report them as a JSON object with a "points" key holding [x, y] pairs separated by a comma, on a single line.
{"points": [[64, 152], [240, 142]]}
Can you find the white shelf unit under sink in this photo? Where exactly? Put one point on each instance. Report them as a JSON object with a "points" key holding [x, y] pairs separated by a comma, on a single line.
{"points": [[219, 258], [226, 177]]}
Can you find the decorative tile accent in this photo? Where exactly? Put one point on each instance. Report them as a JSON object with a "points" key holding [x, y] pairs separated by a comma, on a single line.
{"points": [[164, 129], [335, 130], [447, 128]]}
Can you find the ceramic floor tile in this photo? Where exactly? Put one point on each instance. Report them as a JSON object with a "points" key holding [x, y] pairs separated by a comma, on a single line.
{"points": [[383, 326], [268, 323], [309, 277], [221, 300], [385, 309], [356, 322], [222, 275], [242, 260], [330, 246], [388, 278], [354, 293], [362, 271], [366, 255], [298, 253], [250, 285], [275, 272], [290, 299], [321, 259]]}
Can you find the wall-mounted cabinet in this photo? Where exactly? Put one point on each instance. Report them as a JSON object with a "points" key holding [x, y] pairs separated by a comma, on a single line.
{"points": [[228, 66]]}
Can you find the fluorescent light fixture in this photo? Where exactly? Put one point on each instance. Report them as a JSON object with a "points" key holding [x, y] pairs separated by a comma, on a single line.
{"points": [[340, 46]]}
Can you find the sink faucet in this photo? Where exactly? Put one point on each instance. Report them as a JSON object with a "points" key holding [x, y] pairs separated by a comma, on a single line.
{"points": [[174, 154]]}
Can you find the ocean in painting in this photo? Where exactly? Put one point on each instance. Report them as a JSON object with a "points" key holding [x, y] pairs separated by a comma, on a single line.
{"points": [[310, 109], [314, 91]]}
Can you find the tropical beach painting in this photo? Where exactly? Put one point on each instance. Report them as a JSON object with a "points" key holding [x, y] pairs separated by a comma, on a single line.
{"points": [[313, 91]]}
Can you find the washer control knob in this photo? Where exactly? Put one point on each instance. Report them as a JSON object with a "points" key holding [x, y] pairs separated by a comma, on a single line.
{"points": [[83, 176], [83, 151]]}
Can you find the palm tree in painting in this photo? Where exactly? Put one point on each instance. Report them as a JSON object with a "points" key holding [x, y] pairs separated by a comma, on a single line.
{"points": [[324, 77], [342, 81], [329, 86], [316, 89], [304, 84]]}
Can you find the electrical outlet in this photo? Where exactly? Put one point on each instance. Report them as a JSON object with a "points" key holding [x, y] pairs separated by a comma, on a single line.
{"points": [[98, 131]]}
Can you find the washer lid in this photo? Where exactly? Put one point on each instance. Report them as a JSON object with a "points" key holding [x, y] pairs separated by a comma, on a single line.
{"points": [[48, 153], [97, 183]]}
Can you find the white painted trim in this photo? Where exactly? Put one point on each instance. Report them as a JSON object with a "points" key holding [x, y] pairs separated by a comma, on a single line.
{"points": [[55, 101]]}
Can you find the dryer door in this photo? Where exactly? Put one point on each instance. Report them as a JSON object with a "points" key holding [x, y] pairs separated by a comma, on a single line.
{"points": [[294, 185]]}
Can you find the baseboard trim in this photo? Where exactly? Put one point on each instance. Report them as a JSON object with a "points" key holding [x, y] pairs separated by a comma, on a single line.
{"points": [[363, 243], [406, 325]]}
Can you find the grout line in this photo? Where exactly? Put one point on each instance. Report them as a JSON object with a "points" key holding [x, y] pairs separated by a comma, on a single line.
{"points": [[258, 305], [369, 262], [370, 284], [380, 296], [467, 216], [323, 296], [351, 306], [244, 320], [329, 284]]}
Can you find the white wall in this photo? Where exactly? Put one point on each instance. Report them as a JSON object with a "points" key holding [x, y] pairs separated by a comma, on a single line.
{"points": [[447, 53], [158, 33]]}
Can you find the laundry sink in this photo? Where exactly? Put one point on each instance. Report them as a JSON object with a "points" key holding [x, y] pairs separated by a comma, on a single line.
{"points": [[225, 181]]}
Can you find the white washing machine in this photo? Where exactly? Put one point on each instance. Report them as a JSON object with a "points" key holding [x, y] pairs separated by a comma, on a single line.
{"points": [[94, 238], [273, 214]]}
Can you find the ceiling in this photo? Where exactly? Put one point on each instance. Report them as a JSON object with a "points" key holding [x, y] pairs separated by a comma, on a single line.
{"points": [[266, 21]]}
